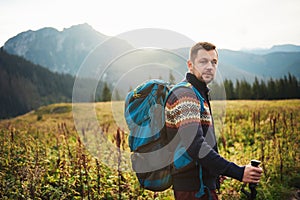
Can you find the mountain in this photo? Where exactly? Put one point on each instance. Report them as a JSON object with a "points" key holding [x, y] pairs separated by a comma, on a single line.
{"points": [[274, 49], [81, 50], [274, 65], [246, 66], [60, 51]]}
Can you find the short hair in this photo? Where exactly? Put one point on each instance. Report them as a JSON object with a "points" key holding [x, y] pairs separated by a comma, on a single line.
{"points": [[201, 45]]}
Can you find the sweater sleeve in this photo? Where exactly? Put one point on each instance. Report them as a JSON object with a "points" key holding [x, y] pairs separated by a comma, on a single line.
{"points": [[183, 118]]}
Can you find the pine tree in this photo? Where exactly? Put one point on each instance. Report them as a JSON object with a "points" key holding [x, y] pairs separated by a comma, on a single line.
{"points": [[106, 93], [237, 89], [293, 87], [245, 90], [256, 93], [271, 89], [171, 78], [228, 85], [262, 90]]}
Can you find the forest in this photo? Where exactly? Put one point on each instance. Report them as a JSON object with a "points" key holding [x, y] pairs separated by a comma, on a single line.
{"points": [[287, 87], [25, 86]]}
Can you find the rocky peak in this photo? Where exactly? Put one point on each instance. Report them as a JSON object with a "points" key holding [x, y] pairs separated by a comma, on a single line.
{"points": [[60, 51]]}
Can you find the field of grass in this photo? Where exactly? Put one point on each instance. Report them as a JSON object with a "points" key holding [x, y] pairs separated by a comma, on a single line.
{"points": [[44, 155]]}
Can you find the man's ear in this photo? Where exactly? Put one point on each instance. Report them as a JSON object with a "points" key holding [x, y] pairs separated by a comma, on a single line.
{"points": [[190, 65]]}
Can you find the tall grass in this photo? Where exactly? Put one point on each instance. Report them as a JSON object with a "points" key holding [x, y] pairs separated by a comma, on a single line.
{"points": [[43, 157]]}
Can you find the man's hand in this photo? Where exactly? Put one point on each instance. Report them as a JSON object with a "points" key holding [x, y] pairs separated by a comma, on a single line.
{"points": [[222, 179], [252, 174]]}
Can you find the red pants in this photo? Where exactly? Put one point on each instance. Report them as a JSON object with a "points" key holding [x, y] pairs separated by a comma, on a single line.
{"points": [[183, 195]]}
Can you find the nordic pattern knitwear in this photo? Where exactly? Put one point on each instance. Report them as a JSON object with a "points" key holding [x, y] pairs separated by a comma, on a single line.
{"points": [[186, 111], [182, 112]]}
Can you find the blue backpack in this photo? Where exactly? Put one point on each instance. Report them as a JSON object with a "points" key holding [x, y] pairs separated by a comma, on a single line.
{"points": [[144, 113]]}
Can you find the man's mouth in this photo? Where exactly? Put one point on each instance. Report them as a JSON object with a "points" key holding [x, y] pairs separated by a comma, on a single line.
{"points": [[207, 74]]}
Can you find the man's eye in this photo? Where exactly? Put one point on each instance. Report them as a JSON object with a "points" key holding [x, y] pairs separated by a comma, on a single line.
{"points": [[203, 61]]}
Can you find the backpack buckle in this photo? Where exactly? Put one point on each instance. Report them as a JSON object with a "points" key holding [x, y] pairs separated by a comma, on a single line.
{"points": [[136, 95]]}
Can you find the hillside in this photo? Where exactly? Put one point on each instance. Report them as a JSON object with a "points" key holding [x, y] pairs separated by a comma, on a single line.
{"points": [[25, 86]]}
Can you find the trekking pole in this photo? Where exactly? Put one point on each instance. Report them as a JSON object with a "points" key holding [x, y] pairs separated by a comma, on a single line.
{"points": [[252, 186]]}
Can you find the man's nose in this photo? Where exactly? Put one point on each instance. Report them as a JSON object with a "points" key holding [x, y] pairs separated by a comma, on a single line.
{"points": [[210, 65]]}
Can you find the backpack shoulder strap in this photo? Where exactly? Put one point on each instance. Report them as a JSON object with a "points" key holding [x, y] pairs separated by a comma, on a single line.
{"points": [[189, 85]]}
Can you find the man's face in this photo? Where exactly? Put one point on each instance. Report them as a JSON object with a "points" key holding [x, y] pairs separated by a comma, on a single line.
{"points": [[205, 65]]}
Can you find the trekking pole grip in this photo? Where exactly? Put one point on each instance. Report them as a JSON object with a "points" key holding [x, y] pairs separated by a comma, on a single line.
{"points": [[252, 186], [255, 163], [252, 194]]}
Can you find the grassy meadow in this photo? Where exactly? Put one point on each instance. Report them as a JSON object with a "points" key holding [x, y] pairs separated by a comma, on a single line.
{"points": [[43, 154]]}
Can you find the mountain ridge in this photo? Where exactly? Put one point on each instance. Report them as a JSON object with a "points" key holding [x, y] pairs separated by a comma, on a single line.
{"points": [[59, 51], [65, 52], [273, 49]]}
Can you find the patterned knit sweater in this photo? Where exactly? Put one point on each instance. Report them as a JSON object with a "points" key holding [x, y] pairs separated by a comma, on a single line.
{"points": [[197, 134]]}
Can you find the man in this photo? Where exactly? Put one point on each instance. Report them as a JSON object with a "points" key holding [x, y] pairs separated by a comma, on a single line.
{"points": [[197, 130]]}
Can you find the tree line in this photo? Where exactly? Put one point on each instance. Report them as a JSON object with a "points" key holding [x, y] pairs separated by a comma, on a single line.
{"points": [[25, 86], [287, 87]]}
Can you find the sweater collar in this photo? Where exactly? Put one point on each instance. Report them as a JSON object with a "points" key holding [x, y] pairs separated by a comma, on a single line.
{"points": [[199, 85]]}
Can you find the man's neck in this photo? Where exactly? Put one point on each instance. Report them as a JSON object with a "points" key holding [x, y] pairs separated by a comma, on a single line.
{"points": [[198, 84]]}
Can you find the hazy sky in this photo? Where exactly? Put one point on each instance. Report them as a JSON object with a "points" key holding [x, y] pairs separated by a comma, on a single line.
{"points": [[232, 24]]}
